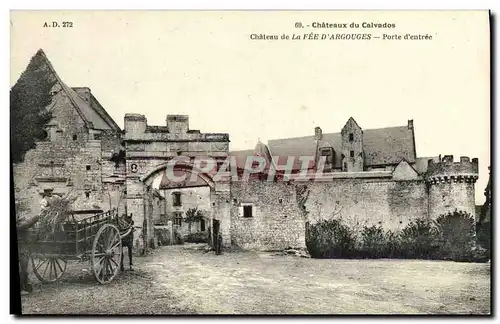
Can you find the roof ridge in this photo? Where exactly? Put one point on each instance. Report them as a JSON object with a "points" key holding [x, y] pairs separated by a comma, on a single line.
{"points": [[64, 87], [312, 136]]}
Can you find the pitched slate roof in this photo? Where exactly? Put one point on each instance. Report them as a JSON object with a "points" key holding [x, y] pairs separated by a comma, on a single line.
{"points": [[86, 94], [382, 146], [93, 116]]}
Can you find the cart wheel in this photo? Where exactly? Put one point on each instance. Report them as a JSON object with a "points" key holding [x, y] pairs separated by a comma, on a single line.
{"points": [[106, 253], [48, 269]]}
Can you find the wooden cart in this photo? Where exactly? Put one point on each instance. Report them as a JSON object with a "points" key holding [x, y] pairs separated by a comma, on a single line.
{"points": [[96, 238]]}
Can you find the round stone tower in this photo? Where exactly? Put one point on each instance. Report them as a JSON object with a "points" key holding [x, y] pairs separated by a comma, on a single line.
{"points": [[451, 185]]}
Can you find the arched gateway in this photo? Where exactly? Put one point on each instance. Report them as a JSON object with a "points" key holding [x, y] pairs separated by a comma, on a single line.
{"points": [[151, 150]]}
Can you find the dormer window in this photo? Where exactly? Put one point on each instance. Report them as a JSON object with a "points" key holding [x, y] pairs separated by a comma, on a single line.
{"points": [[328, 153], [351, 137]]}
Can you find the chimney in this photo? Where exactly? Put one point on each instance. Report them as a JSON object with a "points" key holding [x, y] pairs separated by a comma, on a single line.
{"points": [[410, 124], [318, 133]]}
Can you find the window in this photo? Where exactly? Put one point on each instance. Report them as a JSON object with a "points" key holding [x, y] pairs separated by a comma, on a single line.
{"points": [[87, 194], [176, 196], [280, 200], [97, 136], [75, 137], [177, 219], [352, 153], [328, 153], [351, 137], [247, 211], [88, 167], [202, 225]]}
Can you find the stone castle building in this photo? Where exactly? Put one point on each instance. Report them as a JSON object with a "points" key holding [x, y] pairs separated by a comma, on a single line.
{"points": [[183, 196], [376, 176]]}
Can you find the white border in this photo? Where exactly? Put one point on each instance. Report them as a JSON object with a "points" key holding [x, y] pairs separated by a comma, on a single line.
{"points": [[198, 5]]}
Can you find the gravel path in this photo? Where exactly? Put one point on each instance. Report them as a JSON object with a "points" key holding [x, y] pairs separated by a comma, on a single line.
{"points": [[185, 280]]}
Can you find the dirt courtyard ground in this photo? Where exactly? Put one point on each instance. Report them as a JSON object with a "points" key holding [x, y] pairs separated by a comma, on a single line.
{"points": [[185, 280]]}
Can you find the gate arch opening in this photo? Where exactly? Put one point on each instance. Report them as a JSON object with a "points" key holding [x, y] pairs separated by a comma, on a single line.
{"points": [[195, 194]]}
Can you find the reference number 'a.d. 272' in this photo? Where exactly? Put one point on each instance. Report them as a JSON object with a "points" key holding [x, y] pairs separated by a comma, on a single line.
{"points": [[64, 24]]}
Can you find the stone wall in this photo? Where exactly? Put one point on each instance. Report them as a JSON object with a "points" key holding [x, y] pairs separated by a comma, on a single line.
{"points": [[196, 197], [69, 160], [276, 221], [72, 159], [447, 196], [452, 185], [190, 198], [368, 202]]}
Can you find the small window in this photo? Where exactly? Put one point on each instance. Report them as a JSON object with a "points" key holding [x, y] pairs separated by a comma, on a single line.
{"points": [[87, 167], [176, 196], [247, 211], [351, 137], [87, 194], [178, 220], [280, 200], [75, 137], [97, 136], [352, 153]]}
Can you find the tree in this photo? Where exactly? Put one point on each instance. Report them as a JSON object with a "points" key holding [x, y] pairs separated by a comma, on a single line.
{"points": [[487, 204], [28, 99], [193, 215]]}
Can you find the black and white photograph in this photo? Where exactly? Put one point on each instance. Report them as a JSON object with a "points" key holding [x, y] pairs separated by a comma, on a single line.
{"points": [[232, 162]]}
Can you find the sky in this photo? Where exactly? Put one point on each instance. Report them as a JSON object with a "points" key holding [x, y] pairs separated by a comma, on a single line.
{"points": [[205, 65]]}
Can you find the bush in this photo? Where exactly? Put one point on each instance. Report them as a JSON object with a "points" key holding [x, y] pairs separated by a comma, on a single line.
{"points": [[178, 239], [374, 242], [393, 245], [456, 236], [330, 239], [163, 236], [483, 235], [450, 237], [199, 237], [418, 240]]}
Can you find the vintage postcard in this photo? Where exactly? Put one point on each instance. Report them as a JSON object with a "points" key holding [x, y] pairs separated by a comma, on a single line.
{"points": [[251, 162]]}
